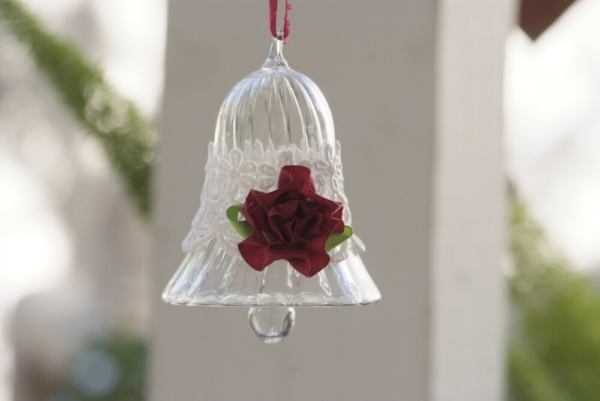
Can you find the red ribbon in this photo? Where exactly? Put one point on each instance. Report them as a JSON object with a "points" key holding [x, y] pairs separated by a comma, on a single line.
{"points": [[273, 20]]}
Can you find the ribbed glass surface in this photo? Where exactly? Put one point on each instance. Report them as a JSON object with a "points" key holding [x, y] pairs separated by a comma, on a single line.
{"points": [[211, 277], [274, 104]]}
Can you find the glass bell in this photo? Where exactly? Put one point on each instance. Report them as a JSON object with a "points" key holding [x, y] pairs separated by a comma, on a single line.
{"points": [[273, 118]]}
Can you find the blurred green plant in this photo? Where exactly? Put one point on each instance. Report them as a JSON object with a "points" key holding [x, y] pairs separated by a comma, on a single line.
{"points": [[555, 348], [112, 368], [127, 136], [107, 369]]}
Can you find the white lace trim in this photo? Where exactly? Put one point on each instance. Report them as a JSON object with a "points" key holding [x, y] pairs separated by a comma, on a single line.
{"points": [[231, 175]]}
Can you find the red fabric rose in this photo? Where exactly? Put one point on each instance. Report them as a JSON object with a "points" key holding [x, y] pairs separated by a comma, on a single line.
{"points": [[291, 223]]}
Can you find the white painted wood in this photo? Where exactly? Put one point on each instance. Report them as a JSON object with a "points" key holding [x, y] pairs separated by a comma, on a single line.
{"points": [[468, 292], [388, 82]]}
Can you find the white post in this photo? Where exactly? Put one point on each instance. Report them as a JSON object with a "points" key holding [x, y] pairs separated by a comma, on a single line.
{"points": [[467, 292], [415, 90]]}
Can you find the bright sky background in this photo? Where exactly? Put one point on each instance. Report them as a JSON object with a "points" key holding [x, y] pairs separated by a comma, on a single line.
{"points": [[553, 128]]}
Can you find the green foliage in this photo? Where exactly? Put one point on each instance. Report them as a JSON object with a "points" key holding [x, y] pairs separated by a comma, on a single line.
{"points": [[127, 136], [555, 352], [107, 369]]}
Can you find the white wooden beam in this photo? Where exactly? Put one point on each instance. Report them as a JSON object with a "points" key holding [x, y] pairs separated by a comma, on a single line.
{"points": [[468, 292]]}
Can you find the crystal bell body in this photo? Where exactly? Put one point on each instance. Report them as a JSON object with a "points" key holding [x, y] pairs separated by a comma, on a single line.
{"points": [[275, 146]]}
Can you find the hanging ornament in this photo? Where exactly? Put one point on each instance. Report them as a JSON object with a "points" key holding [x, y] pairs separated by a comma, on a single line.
{"points": [[273, 231]]}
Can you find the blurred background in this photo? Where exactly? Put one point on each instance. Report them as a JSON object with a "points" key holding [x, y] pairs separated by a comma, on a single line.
{"points": [[73, 246], [80, 98]]}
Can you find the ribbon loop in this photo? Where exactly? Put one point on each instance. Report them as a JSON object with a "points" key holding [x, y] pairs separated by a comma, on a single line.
{"points": [[281, 33]]}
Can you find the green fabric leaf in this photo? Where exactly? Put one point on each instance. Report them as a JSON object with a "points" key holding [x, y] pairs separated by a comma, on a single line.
{"points": [[336, 239], [243, 228]]}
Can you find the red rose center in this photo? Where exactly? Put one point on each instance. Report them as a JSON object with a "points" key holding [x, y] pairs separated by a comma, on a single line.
{"points": [[291, 223]]}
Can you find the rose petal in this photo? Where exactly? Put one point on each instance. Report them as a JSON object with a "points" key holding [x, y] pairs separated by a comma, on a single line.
{"points": [[255, 214], [310, 264], [255, 252], [284, 251], [318, 243], [338, 211], [286, 234], [292, 223], [267, 199], [311, 227], [299, 175], [284, 211], [285, 178], [339, 226], [301, 263], [275, 229]]}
